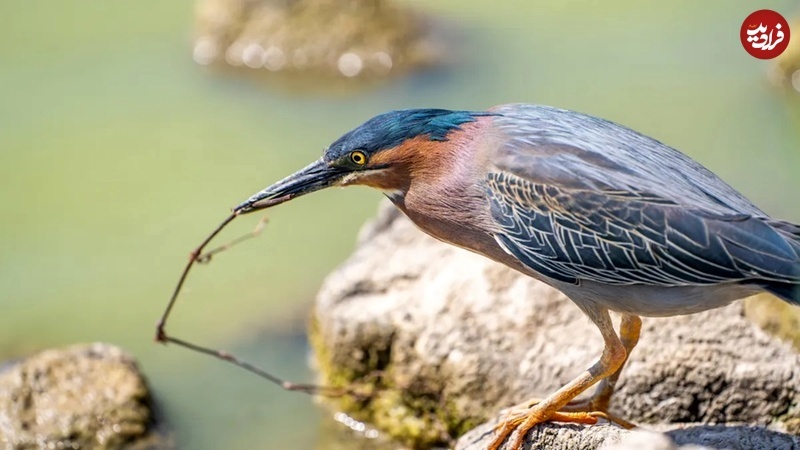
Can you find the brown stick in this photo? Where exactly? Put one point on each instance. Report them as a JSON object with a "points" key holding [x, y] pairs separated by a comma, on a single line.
{"points": [[205, 258], [161, 335], [311, 389], [197, 255]]}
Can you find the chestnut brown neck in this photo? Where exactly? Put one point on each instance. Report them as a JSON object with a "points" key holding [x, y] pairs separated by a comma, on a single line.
{"points": [[420, 161]]}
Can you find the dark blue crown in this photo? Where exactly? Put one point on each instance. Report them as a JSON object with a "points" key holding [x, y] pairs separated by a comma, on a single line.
{"points": [[393, 128]]}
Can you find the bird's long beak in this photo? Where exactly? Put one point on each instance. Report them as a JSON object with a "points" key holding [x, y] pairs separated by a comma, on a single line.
{"points": [[317, 175]]}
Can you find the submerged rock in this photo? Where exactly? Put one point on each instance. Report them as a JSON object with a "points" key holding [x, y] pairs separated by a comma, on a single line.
{"points": [[80, 397], [440, 339], [312, 39]]}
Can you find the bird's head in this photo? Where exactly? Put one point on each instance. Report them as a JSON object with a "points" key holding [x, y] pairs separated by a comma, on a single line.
{"points": [[386, 152]]}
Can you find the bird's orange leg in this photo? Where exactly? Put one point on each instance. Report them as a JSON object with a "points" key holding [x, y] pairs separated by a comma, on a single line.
{"points": [[629, 331], [612, 359]]}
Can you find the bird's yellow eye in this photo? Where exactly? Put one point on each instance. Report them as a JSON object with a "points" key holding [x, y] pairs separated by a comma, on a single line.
{"points": [[358, 157]]}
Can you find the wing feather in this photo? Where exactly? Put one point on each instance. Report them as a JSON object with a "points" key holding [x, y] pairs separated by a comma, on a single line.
{"points": [[573, 235], [576, 197]]}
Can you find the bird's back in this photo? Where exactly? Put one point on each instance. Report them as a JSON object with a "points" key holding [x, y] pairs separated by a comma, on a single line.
{"points": [[583, 200], [620, 157]]}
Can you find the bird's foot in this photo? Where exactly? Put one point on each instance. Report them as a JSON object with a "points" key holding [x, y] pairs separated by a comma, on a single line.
{"points": [[592, 406], [523, 417], [522, 422]]}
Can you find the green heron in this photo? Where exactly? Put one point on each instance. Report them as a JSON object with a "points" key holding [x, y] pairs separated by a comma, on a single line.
{"points": [[615, 220]]}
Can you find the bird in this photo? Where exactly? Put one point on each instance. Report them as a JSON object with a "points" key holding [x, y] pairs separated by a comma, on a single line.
{"points": [[617, 221]]}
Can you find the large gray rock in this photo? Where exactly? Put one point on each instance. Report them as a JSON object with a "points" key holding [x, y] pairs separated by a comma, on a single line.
{"points": [[80, 397], [610, 437], [441, 339]]}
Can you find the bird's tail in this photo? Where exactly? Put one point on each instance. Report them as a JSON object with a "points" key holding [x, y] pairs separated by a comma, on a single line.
{"points": [[789, 290]]}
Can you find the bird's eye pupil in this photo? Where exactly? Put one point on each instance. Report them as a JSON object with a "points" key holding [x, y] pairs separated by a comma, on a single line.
{"points": [[358, 157]]}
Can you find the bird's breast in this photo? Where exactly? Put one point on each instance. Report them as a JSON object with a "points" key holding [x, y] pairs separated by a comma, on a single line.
{"points": [[458, 217]]}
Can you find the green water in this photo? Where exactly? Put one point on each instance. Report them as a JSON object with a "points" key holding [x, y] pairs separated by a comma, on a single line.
{"points": [[118, 154]]}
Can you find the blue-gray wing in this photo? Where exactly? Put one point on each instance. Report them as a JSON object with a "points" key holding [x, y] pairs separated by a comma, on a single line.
{"points": [[631, 238], [573, 214]]}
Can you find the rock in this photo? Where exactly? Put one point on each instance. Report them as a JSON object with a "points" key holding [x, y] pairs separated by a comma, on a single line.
{"points": [[641, 439], [314, 39], [565, 437], [732, 437], [775, 316], [439, 339], [784, 70], [609, 437], [82, 397]]}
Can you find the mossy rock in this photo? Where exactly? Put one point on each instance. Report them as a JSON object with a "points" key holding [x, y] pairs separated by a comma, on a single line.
{"points": [[82, 397], [785, 70], [775, 316], [415, 415]]}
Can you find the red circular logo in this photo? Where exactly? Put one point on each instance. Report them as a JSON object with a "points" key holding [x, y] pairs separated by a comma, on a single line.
{"points": [[765, 34]]}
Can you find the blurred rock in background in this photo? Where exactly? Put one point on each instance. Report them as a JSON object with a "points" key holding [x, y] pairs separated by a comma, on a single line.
{"points": [[785, 70], [313, 39], [79, 397]]}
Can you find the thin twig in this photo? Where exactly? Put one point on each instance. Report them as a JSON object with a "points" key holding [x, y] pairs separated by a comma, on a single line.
{"points": [[161, 335], [197, 255], [326, 391], [206, 257]]}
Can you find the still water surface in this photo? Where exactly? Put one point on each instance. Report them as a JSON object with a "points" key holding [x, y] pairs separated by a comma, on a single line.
{"points": [[118, 154]]}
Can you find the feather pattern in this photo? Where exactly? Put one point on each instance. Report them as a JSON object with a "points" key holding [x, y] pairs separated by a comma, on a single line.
{"points": [[615, 207]]}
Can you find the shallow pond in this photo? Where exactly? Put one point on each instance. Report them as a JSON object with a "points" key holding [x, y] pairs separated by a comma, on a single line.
{"points": [[118, 154]]}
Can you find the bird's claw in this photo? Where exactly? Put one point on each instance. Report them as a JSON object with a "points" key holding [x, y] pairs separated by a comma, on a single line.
{"points": [[521, 420]]}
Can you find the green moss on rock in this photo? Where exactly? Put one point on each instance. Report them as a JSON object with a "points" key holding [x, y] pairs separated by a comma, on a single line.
{"points": [[775, 316], [84, 396], [414, 415]]}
